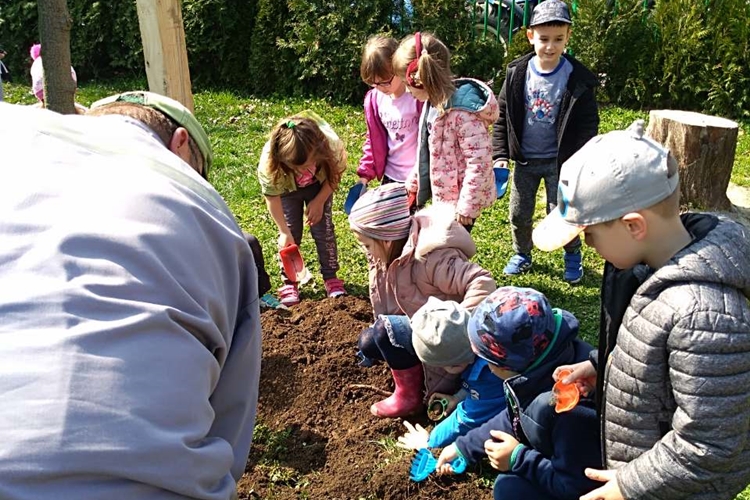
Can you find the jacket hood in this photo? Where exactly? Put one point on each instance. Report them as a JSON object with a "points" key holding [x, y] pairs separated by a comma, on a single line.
{"points": [[719, 253], [474, 96], [436, 227], [566, 349]]}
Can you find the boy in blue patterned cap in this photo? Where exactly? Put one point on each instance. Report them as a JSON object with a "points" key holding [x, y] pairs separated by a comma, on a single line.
{"points": [[540, 453]]}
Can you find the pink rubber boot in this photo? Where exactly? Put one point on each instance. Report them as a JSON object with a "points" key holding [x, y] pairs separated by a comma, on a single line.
{"points": [[407, 396]]}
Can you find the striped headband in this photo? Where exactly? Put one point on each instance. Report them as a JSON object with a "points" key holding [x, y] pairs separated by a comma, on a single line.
{"points": [[382, 213]]}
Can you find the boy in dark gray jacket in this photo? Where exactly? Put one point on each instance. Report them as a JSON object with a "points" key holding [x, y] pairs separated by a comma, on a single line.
{"points": [[676, 386], [547, 112]]}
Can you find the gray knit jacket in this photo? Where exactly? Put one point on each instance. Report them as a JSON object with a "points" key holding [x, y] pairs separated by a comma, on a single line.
{"points": [[677, 393]]}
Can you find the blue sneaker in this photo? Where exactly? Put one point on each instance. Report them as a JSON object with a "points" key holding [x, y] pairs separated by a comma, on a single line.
{"points": [[268, 301], [573, 268], [518, 264]]}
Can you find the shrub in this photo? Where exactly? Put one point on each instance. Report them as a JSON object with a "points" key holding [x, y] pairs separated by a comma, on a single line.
{"points": [[729, 76], [679, 54], [472, 54], [219, 57], [265, 53], [20, 29], [669, 53], [104, 45], [327, 37]]}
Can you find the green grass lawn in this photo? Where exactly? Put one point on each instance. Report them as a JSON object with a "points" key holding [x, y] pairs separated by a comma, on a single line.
{"points": [[238, 127]]}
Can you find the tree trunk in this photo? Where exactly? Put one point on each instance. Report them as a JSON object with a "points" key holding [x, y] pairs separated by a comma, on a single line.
{"points": [[54, 31], [704, 147]]}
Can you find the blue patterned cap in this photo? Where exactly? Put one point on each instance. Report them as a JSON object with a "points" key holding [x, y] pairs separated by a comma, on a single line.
{"points": [[550, 11], [512, 327]]}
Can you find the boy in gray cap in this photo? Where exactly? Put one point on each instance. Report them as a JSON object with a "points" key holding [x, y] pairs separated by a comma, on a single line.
{"points": [[547, 112], [674, 391]]}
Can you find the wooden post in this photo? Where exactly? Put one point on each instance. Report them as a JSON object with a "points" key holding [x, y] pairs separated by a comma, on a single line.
{"points": [[164, 49], [704, 147]]}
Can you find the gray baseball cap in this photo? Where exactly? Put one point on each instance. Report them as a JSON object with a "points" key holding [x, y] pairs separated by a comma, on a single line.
{"points": [[550, 11], [611, 175]]}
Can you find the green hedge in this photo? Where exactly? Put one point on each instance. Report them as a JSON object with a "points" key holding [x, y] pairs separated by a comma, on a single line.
{"points": [[681, 53]]}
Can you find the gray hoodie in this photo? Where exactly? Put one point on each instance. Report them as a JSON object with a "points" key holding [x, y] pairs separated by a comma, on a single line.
{"points": [[129, 320], [677, 391]]}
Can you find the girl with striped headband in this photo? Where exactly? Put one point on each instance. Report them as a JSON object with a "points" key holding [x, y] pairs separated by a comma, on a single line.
{"points": [[410, 259]]}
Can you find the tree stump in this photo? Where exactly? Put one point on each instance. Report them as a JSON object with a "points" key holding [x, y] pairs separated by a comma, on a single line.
{"points": [[704, 147]]}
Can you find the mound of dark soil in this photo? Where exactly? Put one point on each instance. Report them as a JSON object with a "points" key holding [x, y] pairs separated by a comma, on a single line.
{"points": [[316, 437]]}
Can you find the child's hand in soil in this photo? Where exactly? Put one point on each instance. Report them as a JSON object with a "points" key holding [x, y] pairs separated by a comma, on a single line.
{"points": [[314, 212], [499, 449], [583, 374], [452, 401], [448, 455], [415, 439]]}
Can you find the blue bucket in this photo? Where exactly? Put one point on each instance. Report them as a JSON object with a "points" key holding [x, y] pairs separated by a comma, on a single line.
{"points": [[502, 174], [355, 192]]}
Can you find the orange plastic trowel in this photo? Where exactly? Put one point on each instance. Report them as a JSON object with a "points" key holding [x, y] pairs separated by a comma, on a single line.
{"points": [[294, 266], [566, 395]]}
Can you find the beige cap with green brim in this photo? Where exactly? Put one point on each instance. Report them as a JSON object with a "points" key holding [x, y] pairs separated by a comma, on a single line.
{"points": [[174, 110]]}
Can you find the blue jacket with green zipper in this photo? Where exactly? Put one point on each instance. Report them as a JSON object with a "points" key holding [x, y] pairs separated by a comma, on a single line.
{"points": [[556, 448]]}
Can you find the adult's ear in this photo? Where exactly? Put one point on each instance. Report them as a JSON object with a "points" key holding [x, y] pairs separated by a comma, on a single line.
{"points": [[180, 145], [636, 224]]}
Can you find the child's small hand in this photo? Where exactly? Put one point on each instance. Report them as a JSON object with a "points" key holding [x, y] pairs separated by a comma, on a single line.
{"points": [[314, 212], [364, 181], [583, 374], [286, 240], [609, 491], [500, 449], [463, 220], [449, 454], [414, 439], [451, 400]]}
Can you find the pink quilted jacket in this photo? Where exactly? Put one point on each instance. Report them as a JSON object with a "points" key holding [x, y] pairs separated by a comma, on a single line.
{"points": [[460, 151]]}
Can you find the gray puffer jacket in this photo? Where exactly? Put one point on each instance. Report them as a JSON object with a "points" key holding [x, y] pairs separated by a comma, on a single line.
{"points": [[677, 392]]}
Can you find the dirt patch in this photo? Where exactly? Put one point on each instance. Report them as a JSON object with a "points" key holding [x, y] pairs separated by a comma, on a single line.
{"points": [[316, 437]]}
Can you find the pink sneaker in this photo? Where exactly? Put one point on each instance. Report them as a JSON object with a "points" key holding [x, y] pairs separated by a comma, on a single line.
{"points": [[289, 295], [335, 287]]}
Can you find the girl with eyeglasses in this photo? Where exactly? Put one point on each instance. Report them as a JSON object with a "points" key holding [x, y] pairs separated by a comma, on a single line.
{"points": [[454, 148], [391, 114]]}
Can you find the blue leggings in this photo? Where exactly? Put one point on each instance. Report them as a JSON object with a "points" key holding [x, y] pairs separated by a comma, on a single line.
{"points": [[375, 344]]}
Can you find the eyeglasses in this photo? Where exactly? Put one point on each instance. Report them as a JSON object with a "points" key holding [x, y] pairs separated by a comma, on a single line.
{"points": [[383, 84]]}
